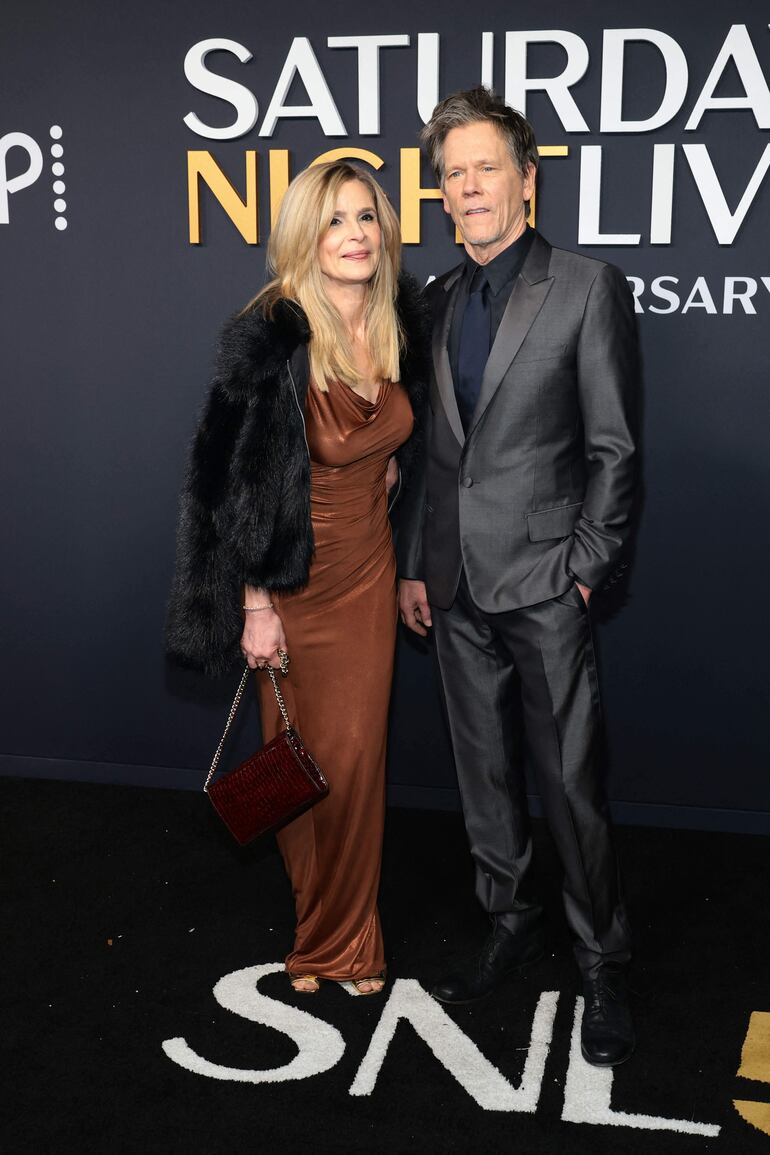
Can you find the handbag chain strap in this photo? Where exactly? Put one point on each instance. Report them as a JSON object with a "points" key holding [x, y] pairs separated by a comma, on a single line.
{"points": [[234, 711]]}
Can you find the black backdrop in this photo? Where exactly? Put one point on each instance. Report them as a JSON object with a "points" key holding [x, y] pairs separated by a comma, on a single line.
{"points": [[109, 326]]}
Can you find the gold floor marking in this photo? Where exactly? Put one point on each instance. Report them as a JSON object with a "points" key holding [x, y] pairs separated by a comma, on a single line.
{"points": [[755, 1064]]}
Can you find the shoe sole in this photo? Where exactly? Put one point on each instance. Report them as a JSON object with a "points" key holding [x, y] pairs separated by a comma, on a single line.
{"points": [[605, 1066], [514, 972]]}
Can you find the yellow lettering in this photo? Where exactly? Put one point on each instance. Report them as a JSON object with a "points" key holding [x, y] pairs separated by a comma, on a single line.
{"points": [[279, 180], [755, 1064], [201, 166], [755, 1056], [545, 150], [757, 1114], [280, 176], [244, 214], [412, 194], [347, 153]]}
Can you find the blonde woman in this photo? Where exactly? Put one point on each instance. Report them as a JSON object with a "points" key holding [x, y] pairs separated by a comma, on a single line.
{"points": [[284, 540]]}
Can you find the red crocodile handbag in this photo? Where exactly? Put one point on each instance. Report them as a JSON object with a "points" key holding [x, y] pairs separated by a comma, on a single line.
{"points": [[271, 787]]}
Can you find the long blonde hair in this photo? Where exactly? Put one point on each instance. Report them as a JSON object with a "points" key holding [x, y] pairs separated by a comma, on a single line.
{"points": [[292, 258]]}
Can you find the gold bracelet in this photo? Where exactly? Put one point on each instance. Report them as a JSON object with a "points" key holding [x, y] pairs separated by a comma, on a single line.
{"points": [[256, 609]]}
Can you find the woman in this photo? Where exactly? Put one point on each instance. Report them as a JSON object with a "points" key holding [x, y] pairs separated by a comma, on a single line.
{"points": [[284, 540]]}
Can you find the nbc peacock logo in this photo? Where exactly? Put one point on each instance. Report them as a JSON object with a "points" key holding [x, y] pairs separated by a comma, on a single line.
{"points": [[22, 162]]}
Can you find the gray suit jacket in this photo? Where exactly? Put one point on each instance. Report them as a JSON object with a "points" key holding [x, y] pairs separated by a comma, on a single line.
{"points": [[542, 485]]}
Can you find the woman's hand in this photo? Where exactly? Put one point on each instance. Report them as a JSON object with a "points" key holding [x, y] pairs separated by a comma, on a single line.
{"points": [[262, 637]]}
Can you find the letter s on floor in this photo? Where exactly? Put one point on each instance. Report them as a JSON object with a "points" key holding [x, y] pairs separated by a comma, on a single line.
{"points": [[321, 1046]]}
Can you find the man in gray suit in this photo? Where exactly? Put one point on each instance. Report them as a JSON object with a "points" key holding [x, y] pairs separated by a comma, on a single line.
{"points": [[523, 512]]}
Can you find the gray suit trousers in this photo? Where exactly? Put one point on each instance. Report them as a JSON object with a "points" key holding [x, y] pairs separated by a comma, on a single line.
{"points": [[544, 655]]}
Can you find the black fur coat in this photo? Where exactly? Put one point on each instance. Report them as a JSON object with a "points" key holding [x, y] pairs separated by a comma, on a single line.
{"points": [[245, 507]]}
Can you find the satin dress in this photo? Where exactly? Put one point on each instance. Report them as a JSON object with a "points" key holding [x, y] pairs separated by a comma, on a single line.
{"points": [[340, 636]]}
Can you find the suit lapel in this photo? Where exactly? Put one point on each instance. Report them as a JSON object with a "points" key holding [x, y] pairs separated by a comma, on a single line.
{"points": [[529, 292], [441, 364]]}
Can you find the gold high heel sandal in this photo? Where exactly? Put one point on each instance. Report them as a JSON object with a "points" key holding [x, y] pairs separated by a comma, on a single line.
{"points": [[312, 979], [372, 980]]}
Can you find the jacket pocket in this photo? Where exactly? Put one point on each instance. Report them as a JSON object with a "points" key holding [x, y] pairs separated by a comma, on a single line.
{"points": [[574, 598], [541, 353], [559, 521]]}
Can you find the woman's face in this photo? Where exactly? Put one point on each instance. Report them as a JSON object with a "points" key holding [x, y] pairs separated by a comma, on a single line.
{"points": [[349, 250]]}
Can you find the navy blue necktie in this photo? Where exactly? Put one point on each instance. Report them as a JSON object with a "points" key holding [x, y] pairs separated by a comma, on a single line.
{"points": [[474, 347]]}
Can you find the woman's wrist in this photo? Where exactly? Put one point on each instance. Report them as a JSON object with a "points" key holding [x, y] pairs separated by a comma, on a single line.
{"points": [[256, 599]]}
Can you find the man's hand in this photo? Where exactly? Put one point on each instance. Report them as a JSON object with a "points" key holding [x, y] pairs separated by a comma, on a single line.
{"points": [[391, 475], [413, 606], [585, 592]]}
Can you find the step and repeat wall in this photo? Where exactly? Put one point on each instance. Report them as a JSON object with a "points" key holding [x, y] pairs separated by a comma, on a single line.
{"points": [[144, 150]]}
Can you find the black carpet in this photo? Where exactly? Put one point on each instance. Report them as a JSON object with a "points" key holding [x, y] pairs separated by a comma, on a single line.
{"points": [[124, 908]]}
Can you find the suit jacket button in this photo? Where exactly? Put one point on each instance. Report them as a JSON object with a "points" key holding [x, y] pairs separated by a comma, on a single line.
{"points": [[467, 482]]}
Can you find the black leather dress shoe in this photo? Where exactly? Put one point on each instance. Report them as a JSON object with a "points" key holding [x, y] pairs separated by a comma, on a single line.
{"points": [[607, 1033], [503, 954]]}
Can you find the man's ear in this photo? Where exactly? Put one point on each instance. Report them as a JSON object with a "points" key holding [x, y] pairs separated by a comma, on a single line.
{"points": [[530, 177], [446, 204]]}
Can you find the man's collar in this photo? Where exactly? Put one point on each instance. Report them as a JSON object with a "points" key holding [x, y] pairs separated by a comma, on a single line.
{"points": [[503, 268]]}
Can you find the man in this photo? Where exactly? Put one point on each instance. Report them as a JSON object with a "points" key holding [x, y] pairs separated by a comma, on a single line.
{"points": [[524, 510]]}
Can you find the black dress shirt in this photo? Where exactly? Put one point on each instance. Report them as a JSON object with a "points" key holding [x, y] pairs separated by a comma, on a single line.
{"points": [[501, 272]]}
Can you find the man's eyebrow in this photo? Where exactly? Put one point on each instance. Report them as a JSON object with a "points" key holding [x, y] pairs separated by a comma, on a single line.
{"points": [[481, 160]]}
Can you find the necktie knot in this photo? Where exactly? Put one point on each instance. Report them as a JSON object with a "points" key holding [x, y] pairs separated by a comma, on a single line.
{"points": [[479, 282]]}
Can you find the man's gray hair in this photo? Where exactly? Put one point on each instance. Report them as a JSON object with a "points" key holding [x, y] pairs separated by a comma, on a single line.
{"points": [[474, 106]]}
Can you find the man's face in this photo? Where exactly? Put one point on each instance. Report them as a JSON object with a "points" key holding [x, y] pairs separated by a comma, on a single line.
{"points": [[483, 191]]}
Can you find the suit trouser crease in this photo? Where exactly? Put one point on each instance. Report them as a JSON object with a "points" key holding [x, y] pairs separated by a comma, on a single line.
{"points": [[548, 650]]}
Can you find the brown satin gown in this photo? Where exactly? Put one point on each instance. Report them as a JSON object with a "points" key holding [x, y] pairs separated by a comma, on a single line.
{"points": [[340, 635]]}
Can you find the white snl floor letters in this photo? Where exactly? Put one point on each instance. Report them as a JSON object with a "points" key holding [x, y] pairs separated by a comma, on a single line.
{"points": [[321, 1046], [588, 1089], [456, 1052]]}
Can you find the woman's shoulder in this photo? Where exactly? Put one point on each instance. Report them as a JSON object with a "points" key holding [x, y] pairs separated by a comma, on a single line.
{"points": [[255, 344], [413, 309], [255, 329], [409, 293], [415, 318]]}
